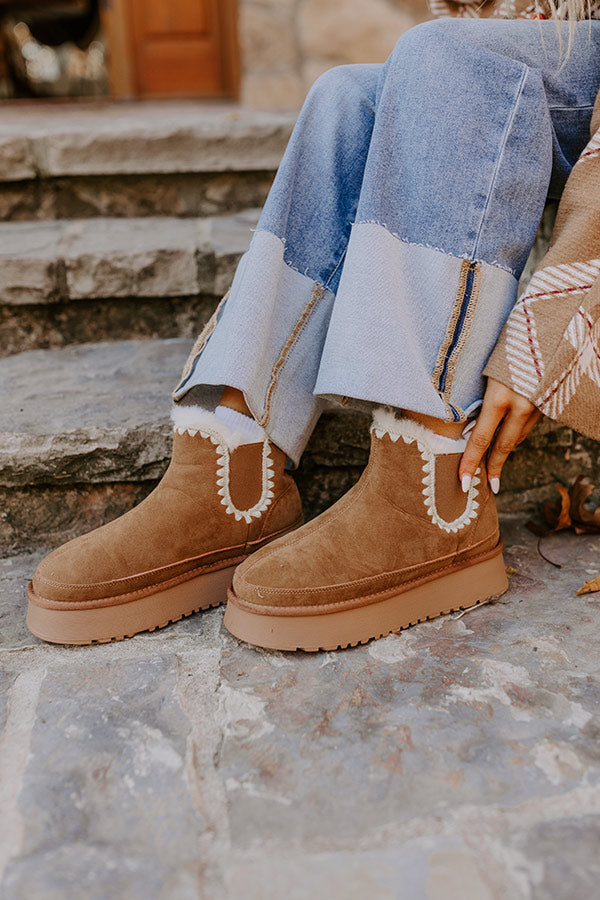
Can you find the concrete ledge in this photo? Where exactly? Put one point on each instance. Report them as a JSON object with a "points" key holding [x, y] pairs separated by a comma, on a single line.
{"points": [[47, 262], [137, 138]]}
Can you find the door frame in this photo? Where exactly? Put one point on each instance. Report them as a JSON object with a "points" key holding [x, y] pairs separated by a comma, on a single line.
{"points": [[116, 21]]}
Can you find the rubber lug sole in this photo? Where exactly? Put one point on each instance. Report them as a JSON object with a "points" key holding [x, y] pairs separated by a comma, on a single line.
{"points": [[100, 625], [470, 585]]}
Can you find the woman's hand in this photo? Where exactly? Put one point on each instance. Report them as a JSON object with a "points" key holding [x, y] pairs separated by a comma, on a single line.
{"points": [[515, 415]]}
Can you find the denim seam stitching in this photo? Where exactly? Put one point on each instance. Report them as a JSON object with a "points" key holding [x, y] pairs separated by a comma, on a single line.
{"points": [[494, 263], [298, 271], [317, 293], [569, 108], [464, 330], [501, 149], [200, 343], [336, 267]]}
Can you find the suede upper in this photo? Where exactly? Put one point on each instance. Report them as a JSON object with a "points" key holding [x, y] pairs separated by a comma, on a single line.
{"points": [[381, 534], [180, 529]]}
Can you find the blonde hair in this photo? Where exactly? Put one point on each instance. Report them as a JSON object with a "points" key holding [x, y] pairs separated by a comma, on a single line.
{"points": [[571, 10], [567, 11]]}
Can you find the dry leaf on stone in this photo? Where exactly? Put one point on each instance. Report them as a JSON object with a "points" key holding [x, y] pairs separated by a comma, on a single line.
{"points": [[558, 514], [584, 519], [569, 510], [590, 586]]}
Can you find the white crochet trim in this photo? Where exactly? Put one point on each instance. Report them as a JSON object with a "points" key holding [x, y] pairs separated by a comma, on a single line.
{"points": [[428, 442], [223, 439], [267, 484]]}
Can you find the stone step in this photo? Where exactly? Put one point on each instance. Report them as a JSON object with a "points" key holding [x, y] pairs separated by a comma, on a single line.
{"points": [[85, 433], [136, 159], [110, 278], [82, 259]]}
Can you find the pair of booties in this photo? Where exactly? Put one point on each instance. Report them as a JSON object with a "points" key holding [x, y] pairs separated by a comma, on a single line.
{"points": [[405, 544]]}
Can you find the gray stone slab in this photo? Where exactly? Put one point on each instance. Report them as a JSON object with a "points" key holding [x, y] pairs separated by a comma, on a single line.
{"points": [[62, 324], [227, 238], [16, 159], [105, 794], [458, 759], [98, 411], [153, 257], [131, 138], [427, 868], [6, 682], [15, 573], [78, 259], [134, 196], [480, 731], [30, 262], [84, 433]]}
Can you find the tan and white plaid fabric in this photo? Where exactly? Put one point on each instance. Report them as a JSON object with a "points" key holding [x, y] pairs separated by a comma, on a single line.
{"points": [[549, 349]]}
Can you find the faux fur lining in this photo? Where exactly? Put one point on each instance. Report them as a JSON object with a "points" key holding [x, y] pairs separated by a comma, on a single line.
{"points": [[387, 422], [195, 418]]}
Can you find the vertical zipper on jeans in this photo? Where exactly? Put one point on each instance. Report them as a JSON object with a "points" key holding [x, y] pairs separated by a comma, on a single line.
{"points": [[460, 321]]}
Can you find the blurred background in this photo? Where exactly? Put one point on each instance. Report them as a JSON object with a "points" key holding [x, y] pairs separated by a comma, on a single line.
{"points": [[262, 53]]}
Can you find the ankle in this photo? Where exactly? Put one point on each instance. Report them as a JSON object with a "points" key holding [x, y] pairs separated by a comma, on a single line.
{"points": [[451, 430], [234, 399]]}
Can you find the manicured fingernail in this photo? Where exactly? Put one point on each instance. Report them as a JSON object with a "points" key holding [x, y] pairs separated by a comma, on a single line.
{"points": [[469, 427], [465, 482], [495, 484]]}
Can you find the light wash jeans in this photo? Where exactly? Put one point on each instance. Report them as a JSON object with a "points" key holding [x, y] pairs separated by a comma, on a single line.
{"points": [[388, 253]]}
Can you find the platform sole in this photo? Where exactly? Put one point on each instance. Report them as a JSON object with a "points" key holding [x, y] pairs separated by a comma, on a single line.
{"points": [[102, 624], [460, 588]]}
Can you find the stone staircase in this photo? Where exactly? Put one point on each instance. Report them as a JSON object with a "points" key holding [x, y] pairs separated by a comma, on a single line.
{"points": [[120, 227], [123, 220]]}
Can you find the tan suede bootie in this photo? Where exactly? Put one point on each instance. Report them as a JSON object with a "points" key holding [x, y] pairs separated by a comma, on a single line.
{"points": [[175, 553], [405, 544]]}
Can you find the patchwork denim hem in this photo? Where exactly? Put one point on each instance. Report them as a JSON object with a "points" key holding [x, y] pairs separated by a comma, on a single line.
{"points": [[401, 321]]}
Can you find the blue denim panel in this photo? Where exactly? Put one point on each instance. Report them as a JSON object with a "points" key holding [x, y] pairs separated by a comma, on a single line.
{"points": [[463, 142], [313, 200]]}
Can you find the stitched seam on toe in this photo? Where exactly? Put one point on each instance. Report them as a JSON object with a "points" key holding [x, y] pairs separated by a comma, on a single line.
{"points": [[360, 601], [101, 584], [374, 578]]}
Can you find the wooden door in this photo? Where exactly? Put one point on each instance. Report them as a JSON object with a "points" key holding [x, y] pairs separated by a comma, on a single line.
{"points": [[172, 48]]}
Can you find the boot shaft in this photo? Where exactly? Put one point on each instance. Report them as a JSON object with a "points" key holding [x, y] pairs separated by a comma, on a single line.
{"points": [[418, 471]]}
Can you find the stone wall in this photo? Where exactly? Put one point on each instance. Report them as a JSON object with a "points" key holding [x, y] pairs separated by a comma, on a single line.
{"points": [[287, 44]]}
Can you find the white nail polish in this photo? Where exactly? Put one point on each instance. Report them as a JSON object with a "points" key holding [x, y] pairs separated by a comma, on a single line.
{"points": [[465, 483], [469, 427], [495, 484]]}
